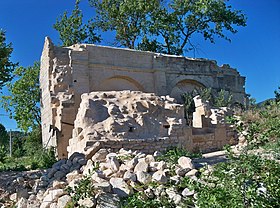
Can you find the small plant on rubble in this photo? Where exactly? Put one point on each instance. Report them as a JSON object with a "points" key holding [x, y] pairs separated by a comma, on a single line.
{"points": [[189, 107], [84, 189], [223, 99], [173, 154], [244, 181], [124, 157], [140, 200]]}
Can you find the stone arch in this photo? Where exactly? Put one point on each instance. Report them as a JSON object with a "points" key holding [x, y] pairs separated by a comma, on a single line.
{"points": [[183, 86], [118, 83]]}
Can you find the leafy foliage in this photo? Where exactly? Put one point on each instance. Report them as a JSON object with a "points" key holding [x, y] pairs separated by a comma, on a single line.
{"points": [[23, 101], [127, 18], [4, 137], [172, 155], [84, 189], [155, 25], [224, 99], [189, 107], [245, 181], [72, 30], [6, 66], [41, 160], [210, 18], [277, 95], [138, 201], [260, 126], [3, 153], [27, 152]]}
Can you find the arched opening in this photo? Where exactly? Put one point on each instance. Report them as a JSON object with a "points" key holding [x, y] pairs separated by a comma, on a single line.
{"points": [[184, 86], [118, 83]]}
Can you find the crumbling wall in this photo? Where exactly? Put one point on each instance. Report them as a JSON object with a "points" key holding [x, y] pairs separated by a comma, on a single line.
{"points": [[124, 115], [67, 73], [140, 121]]}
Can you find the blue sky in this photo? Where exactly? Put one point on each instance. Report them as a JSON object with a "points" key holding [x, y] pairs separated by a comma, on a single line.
{"points": [[254, 50]]}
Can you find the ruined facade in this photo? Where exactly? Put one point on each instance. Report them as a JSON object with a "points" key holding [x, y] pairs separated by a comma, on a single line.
{"points": [[67, 73], [143, 121]]}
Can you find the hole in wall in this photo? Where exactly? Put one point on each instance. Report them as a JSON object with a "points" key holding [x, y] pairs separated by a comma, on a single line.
{"points": [[167, 126], [131, 129]]}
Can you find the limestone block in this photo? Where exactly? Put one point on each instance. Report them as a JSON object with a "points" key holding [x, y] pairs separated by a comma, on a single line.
{"points": [[185, 162], [52, 196], [120, 187], [22, 203], [87, 202], [149, 193], [100, 155], [104, 186], [186, 192], [128, 175], [108, 200], [143, 177], [193, 172], [160, 177], [141, 166]]}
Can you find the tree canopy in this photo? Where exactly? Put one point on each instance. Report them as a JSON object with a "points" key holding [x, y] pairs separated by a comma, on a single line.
{"points": [[72, 30], [23, 101], [3, 135], [6, 66], [157, 25]]}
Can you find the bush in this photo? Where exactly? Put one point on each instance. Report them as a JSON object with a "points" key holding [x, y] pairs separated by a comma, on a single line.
{"points": [[3, 153], [172, 155], [245, 181], [138, 200], [28, 153], [260, 126]]}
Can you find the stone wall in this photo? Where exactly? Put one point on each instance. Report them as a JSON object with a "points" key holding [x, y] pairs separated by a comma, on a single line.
{"points": [[67, 73], [145, 122]]}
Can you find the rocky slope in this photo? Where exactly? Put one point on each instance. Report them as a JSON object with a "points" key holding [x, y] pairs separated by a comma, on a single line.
{"points": [[101, 181]]}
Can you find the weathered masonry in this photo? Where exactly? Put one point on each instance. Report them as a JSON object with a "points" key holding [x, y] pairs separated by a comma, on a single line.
{"points": [[68, 72]]}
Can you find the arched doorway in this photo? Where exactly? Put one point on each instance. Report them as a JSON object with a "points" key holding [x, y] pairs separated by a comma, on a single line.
{"points": [[118, 83], [184, 86]]}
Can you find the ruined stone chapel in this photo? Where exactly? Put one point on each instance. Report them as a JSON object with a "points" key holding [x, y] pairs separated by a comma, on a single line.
{"points": [[78, 77]]}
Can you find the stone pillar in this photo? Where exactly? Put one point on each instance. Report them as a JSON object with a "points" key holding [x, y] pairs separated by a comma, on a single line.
{"points": [[160, 83]]}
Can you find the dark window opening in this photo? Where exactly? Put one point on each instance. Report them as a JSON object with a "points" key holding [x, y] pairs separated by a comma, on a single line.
{"points": [[167, 126], [131, 128]]}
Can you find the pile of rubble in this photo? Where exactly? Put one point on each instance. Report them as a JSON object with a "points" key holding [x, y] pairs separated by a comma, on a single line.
{"points": [[126, 117], [112, 176]]}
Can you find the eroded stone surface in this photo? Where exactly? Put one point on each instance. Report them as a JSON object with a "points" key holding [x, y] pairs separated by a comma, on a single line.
{"points": [[66, 73], [124, 115]]}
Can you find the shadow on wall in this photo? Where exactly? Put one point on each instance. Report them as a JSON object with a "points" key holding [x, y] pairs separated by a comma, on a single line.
{"points": [[185, 86], [118, 83]]}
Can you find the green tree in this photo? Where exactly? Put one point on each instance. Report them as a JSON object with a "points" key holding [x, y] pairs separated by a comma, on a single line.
{"points": [[127, 18], [277, 95], [4, 137], [180, 20], [72, 30], [6, 66], [23, 101], [165, 26]]}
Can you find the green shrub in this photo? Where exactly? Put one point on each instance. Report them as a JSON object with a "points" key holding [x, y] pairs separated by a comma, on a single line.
{"points": [[84, 189], [245, 181], [3, 153], [139, 200], [223, 99], [172, 155], [261, 126]]}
